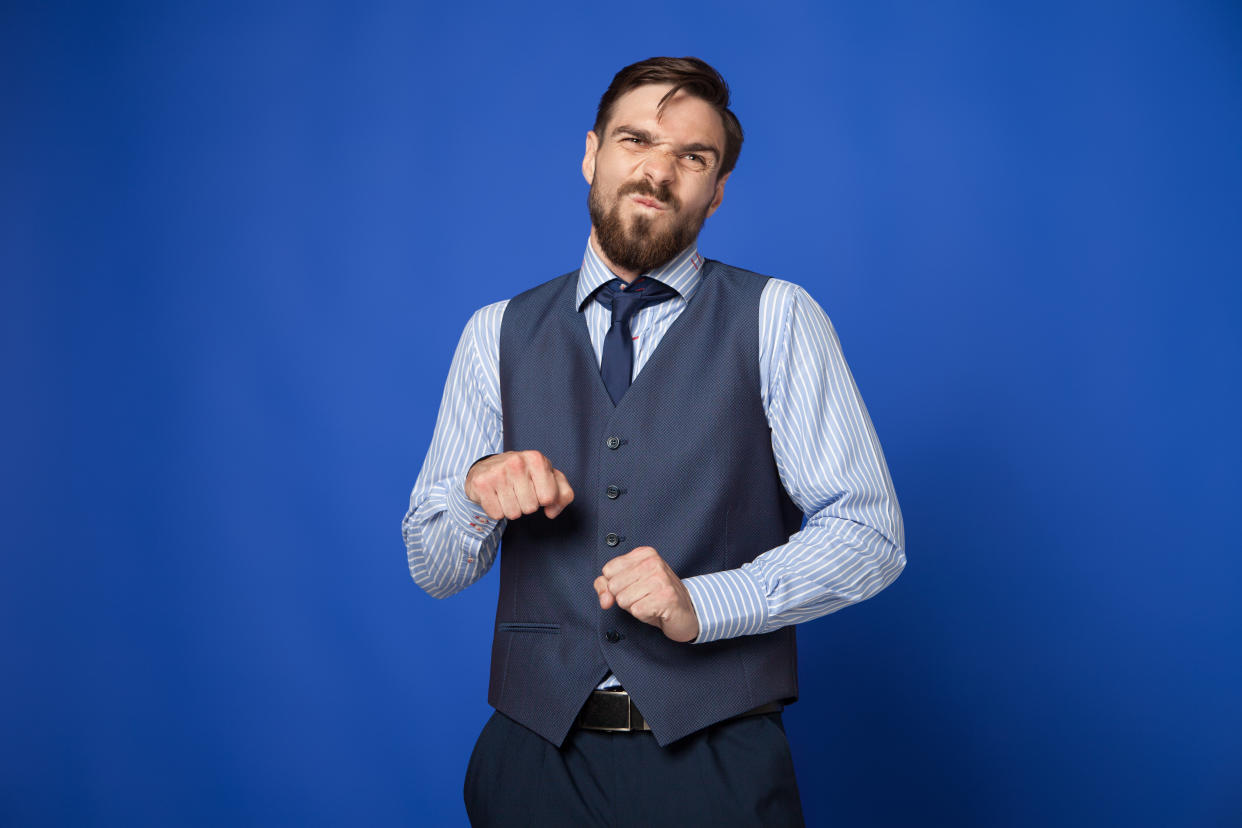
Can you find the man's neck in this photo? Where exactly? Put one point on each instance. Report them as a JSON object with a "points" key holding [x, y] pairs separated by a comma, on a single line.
{"points": [[621, 273]]}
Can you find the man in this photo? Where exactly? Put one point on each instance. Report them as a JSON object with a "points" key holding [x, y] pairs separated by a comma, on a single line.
{"points": [[654, 552]]}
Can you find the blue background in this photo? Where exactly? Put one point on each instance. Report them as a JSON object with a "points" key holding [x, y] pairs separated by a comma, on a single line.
{"points": [[238, 243]]}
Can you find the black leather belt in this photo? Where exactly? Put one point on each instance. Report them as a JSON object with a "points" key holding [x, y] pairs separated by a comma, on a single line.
{"points": [[613, 710]]}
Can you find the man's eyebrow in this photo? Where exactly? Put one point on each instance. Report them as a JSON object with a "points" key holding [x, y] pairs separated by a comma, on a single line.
{"points": [[641, 134]]}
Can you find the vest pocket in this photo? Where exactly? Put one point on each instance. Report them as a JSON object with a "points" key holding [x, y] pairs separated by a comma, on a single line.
{"points": [[528, 628]]}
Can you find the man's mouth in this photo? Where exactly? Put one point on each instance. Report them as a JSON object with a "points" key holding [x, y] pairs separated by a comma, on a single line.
{"points": [[646, 201]]}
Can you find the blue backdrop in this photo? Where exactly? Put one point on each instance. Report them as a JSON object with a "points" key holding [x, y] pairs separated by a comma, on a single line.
{"points": [[238, 243]]}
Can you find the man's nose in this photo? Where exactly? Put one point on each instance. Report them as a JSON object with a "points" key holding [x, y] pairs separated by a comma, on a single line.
{"points": [[660, 167]]}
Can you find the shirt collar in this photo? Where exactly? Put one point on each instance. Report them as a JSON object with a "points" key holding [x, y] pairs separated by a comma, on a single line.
{"points": [[682, 273]]}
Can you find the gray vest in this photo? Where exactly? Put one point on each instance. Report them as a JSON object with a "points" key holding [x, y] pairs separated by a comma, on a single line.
{"points": [[684, 464]]}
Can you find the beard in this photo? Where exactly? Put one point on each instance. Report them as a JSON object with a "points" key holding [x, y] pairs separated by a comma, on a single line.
{"points": [[640, 246]]}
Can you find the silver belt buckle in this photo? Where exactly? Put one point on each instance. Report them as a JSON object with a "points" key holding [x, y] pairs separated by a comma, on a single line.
{"points": [[613, 700]]}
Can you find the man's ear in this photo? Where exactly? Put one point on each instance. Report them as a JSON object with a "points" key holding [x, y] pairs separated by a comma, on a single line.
{"points": [[588, 158], [719, 197]]}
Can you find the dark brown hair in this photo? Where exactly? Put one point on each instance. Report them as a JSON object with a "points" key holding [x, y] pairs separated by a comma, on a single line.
{"points": [[687, 74]]}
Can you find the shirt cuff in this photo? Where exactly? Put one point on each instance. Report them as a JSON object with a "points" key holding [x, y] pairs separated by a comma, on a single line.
{"points": [[728, 604], [466, 515]]}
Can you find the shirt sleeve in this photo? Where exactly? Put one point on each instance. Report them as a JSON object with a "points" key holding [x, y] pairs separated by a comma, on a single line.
{"points": [[450, 542], [852, 544]]}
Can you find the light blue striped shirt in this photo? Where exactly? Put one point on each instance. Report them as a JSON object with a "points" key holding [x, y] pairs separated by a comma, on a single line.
{"points": [[852, 543]]}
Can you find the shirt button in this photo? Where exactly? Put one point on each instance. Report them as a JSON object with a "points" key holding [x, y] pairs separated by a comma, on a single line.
{"points": [[613, 636], [613, 492], [612, 539], [613, 443]]}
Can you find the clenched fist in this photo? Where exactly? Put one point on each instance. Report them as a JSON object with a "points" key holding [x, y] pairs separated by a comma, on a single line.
{"points": [[517, 483], [642, 584]]}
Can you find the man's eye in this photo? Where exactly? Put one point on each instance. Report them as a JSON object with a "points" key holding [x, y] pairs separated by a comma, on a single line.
{"points": [[694, 160]]}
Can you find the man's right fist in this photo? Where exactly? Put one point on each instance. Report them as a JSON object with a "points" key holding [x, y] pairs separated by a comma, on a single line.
{"points": [[517, 483]]}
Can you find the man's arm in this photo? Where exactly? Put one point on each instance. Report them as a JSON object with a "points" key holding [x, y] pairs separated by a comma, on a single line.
{"points": [[451, 541], [830, 462], [467, 489]]}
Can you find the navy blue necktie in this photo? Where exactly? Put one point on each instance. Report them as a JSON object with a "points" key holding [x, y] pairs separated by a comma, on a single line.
{"points": [[617, 364]]}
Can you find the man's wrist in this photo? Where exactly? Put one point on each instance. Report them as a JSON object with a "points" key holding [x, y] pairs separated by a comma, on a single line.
{"points": [[464, 513], [728, 604]]}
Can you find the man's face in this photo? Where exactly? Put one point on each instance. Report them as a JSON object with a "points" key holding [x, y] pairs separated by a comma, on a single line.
{"points": [[653, 176]]}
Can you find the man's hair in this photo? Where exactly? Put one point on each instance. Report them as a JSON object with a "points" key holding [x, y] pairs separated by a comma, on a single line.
{"points": [[687, 74]]}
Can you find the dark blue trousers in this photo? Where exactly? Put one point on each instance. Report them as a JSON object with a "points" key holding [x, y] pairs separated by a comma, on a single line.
{"points": [[736, 773]]}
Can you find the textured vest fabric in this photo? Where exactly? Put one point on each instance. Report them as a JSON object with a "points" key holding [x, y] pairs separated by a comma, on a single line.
{"points": [[687, 458]]}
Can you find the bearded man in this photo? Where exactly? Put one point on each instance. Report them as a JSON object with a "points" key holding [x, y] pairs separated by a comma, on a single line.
{"points": [[648, 433]]}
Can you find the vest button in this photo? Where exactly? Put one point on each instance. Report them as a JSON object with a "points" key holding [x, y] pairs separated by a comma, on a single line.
{"points": [[613, 443], [613, 492], [613, 636], [612, 539]]}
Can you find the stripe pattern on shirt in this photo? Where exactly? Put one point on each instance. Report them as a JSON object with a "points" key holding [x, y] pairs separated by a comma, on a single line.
{"points": [[827, 454]]}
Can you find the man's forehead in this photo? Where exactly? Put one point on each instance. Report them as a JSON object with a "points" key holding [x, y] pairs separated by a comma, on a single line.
{"points": [[682, 114]]}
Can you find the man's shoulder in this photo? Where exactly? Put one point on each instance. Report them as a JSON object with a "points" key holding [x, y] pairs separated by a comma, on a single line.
{"points": [[732, 271], [780, 300], [533, 308], [780, 292], [489, 317], [543, 298], [743, 274], [486, 317]]}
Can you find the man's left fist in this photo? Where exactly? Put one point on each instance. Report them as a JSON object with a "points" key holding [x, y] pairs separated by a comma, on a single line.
{"points": [[641, 583]]}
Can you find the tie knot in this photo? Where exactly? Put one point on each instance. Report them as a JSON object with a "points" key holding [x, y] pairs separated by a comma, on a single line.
{"points": [[625, 301]]}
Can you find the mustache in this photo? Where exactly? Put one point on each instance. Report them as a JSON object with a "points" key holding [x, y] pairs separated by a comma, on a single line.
{"points": [[643, 187]]}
